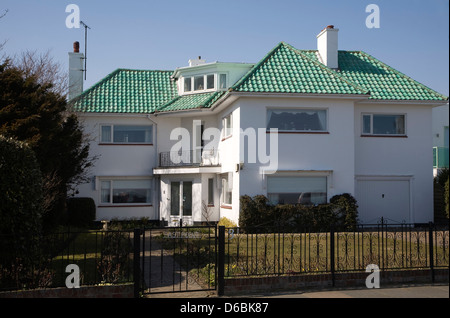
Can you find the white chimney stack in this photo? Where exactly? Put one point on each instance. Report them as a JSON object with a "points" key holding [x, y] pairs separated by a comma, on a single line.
{"points": [[75, 71], [196, 62], [327, 45]]}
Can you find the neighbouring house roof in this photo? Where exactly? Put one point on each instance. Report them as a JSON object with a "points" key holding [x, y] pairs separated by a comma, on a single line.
{"points": [[127, 91], [284, 69]]}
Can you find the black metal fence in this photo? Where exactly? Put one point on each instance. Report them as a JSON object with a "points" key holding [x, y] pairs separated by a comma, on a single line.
{"points": [[388, 246], [176, 259], [41, 262], [201, 258]]}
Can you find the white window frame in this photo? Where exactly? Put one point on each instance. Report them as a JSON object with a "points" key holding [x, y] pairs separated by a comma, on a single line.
{"points": [[227, 132], [111, 142], [227, 187], [325, 175], [111, 181], [382, 135], [326, 130], [205, 82]]}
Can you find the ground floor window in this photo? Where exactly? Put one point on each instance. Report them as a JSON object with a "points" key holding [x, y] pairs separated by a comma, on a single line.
{"points": [[297, 190], [227, 189], [126, 191]]}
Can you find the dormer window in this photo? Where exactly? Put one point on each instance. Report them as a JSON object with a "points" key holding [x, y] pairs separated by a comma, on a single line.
{"points": [[206, 82]]}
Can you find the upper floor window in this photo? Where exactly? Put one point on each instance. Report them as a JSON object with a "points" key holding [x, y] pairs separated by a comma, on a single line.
{"points": [[126, 134], [297, 120], [205, 82], [383, 124], [227, 123]]}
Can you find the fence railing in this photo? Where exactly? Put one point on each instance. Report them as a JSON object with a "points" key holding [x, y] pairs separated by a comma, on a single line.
{"points": [[390, 247], [189, 158], [40, 262]]}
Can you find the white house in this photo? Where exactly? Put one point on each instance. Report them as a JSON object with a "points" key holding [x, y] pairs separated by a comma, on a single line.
{"points": [[299, 126]]}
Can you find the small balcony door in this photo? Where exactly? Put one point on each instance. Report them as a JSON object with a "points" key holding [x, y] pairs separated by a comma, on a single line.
{"points": [[181, 199]]}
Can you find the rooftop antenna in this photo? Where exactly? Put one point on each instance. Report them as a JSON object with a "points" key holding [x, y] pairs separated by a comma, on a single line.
{"points": [[85, 47]]}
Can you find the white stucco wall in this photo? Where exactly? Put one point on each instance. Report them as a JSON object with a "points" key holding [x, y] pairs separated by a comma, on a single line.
{"points": [[118, 161], [399, 157]]}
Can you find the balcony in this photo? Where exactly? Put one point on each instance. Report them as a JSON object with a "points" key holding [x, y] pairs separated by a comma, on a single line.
{"points": [[191, 158], [440, 157]]}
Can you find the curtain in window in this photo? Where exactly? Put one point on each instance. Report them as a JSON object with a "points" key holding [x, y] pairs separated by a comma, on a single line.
{"points": [[297, 120]]}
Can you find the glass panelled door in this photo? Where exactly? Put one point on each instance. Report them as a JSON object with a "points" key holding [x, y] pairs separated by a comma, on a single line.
{"points": [[181, 198], [175, 198]]}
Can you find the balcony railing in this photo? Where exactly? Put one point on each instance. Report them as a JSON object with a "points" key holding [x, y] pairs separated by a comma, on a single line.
{"points": [[440, 157], [191, 158]]}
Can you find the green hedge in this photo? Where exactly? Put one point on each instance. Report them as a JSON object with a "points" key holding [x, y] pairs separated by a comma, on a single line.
{"points": [[258, 215], [80, 211]]}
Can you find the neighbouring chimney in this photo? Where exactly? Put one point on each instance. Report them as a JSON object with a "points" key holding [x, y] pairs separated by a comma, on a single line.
{"points": [[75, 71], [327, 46]]}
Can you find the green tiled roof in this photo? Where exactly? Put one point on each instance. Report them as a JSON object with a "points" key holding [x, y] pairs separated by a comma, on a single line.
{"points": [[283, 70], [191, 101], [127, 91], [287, 70], [383, 82]]}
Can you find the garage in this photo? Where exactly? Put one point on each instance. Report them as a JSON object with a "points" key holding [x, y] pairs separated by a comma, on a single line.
{"points": [[387, 197]]}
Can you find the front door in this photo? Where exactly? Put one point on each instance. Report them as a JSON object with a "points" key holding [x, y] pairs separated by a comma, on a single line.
{"points": [[181, 201]]}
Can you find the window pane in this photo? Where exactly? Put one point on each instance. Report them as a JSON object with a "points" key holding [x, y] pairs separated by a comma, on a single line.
{"points": [[211, 191], [297, 120], [366, 124], [106, 134], [228, 125], [187, 84], [187, 198], [223, 81], [131, 191], [389, 124], [199, 83], [297, 190], [133, 134], [105, 192], [210, 81], [175, 198], [226, 192]]}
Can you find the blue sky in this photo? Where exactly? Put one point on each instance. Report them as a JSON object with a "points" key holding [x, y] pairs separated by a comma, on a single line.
{"points": [[413, 36]]}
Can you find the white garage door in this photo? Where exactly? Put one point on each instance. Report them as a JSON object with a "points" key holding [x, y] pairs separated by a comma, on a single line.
{"points": [[378, 198]]}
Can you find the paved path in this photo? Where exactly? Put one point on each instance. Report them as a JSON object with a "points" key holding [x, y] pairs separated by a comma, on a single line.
{"points": [[161, 272]]}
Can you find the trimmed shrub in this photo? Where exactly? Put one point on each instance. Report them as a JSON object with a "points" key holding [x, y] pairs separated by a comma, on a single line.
{"points": [[258, 215], [80, 211], [226, 222]]}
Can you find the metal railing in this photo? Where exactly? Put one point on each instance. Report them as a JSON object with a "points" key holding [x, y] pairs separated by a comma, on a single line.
{"points": [[41, 261], [440, 157], [390, 247], [189, 158]]}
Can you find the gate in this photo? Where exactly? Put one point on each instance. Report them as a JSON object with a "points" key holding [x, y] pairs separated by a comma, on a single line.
{"points": [[175, 259]]}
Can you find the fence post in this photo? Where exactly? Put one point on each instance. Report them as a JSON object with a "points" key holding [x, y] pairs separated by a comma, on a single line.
{"points": [[136, 263], [332, 269], [431, 248], [221, 262]]}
